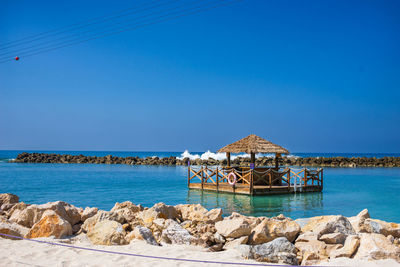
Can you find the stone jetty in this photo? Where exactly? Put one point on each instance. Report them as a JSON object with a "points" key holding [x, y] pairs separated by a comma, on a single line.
{"points": [[263, 161], [276, 240]]}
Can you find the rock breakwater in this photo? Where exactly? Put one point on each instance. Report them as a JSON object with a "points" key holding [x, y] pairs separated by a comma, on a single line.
{"points": [[275, 240], [263, 161]]}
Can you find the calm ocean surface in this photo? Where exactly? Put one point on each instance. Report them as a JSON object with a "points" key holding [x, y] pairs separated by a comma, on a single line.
{"points": [[346, 190]]}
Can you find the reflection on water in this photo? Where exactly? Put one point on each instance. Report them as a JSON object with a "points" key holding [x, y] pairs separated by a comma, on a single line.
{"points": [[297, 205]]}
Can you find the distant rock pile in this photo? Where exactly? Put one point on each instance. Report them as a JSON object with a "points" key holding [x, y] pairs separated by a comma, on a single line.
{"points": [[263, 161], [276, 240]]}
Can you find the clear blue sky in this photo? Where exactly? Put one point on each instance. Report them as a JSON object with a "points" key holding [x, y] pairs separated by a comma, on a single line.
{"points": [[313, 76]]}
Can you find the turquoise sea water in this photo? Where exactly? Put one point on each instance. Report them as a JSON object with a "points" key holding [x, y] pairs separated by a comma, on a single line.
{"points": [[346, 190]]}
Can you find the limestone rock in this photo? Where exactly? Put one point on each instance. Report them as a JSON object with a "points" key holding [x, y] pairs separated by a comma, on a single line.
{"points": [[333, 238], [101, 215], [312, 249], [350, 247], [107, 232], [306, 237], [236, 242], [176, 234], [280, 250], [234, 228], [271, 228], [51, 224], [126, 209], [33, 213], [10, 228], [159, 210], [380, 227], [329, 224], [17, 206], [357, 221], [88, 212], [142, 233], [8, 198], [196, 212], [375, 247], [245, 251]]}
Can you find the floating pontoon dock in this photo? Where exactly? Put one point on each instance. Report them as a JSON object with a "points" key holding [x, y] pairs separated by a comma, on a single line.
{"points": [[252, 180]]}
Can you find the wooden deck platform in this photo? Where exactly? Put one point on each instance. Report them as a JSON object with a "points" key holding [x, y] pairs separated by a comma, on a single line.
{"points": [[257, 181]]}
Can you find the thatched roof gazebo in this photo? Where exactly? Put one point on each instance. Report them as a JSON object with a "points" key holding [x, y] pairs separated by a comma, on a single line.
{"points": [[253, 144]]}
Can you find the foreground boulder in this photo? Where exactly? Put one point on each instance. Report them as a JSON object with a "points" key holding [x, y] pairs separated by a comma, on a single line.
{"points": [[376, 247], [10, 228], [233, 227], [33, 213], [271, 228], [349, 248], [329, 224], [142, 233], [358, 221], [196, 212], [51, 224], [159, 210], [88, 212], [176, 234], [280, 250], [380, 227], [101, 215], [7, 200], [107, 232], [126, 209]]}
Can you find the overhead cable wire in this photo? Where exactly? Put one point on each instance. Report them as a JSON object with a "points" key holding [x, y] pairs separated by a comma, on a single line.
{"points": [[160, 19], [71, 27], [77, 35]]}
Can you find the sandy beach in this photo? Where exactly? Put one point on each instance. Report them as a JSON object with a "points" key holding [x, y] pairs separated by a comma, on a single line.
{"points": [[28, 253]]}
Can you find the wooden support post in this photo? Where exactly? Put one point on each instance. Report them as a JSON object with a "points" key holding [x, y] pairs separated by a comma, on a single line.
{"points": [[253, 158], [202, 177], [188, 176], [305, 177], [322, 178], [270, 181], [228, 159], [251, 182], [288, 179], [277, 155], [217, 179]]}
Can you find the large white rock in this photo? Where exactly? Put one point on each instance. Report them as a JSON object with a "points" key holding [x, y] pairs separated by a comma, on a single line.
{"points": [[10, 228], [101, 215], [88, 212], [107, 232], [380, 227], [350, 247], [142, 233], [51, 224], [126, 209], [8, 198], [357, 221], [271, 228], [159, 210], [236, 242], [33, 213], [176, 234], [234, 228], [280, 250], [196, 212], [329, 224], [376, 247]]}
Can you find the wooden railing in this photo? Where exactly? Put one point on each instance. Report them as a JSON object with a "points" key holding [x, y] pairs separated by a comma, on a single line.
{"points": [[256, 177]]}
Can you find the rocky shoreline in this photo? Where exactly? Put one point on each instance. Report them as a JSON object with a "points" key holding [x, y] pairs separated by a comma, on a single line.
{"points": [[275, 240], [264, 161]]}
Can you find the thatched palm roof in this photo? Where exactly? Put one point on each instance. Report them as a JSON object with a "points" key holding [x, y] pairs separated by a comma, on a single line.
{"points": [[253, 144]]}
